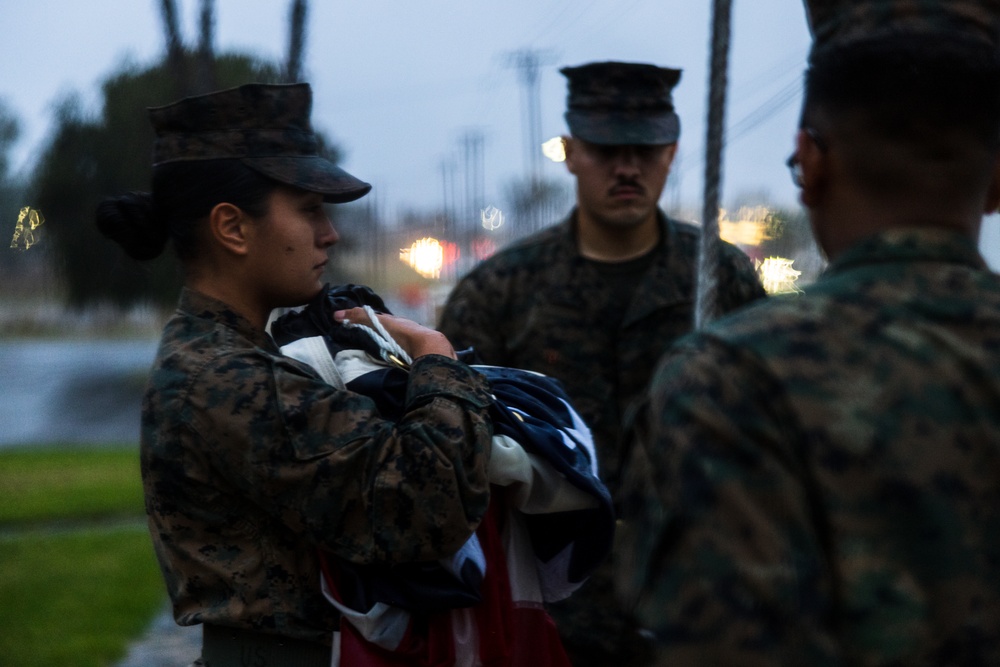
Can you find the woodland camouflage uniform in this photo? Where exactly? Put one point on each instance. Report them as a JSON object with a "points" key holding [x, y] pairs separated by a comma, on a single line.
{"points": [[540, 305], [251, 463], [815, 480]]}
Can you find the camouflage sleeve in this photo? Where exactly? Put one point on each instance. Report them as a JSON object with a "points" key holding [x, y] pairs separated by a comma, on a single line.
{"points": [[739, 283], [720, 558], [326, 466], [473, 315]]}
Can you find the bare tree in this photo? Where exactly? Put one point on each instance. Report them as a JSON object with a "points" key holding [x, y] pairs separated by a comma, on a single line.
{"points": [[296, 40], [206, 48], [175, 46]]}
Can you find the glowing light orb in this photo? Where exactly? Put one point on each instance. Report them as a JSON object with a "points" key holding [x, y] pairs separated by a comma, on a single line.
{"points": [[425, 256], [483, 248], [777, 275], [748, 228], [554, 149]]}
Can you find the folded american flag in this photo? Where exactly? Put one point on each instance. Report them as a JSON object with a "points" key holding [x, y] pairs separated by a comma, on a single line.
{"points": [[549, 525]]}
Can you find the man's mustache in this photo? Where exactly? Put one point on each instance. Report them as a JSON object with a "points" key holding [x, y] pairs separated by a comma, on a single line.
{"points": [[627, 184]]}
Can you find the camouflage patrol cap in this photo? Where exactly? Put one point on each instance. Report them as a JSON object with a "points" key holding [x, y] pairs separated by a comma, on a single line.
{"points": [[841, 22], [264, 126], [622, 103]]}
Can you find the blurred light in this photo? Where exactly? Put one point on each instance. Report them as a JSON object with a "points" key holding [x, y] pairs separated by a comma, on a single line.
{"points": [[450, 252], [492, 218], [28, 220], [483, 248], [777, 275], [425, 256], [413, 295], [749, 228], [554, 149]]}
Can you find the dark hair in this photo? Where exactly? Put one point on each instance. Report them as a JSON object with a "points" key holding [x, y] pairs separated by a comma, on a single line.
{"points": [[183, 194], [912, 115], [911, 87]]}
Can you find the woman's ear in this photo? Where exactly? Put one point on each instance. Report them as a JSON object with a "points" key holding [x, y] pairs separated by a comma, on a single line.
{"points": [[228, 226]]}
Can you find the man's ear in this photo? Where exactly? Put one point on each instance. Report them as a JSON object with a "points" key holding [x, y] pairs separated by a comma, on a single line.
{"points": [[570, 150], [993, 192], [814, 165], [228, 225], [671, 153]]}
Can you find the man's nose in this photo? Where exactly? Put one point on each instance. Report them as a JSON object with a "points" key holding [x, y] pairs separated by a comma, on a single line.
{"points": [[627, 160]]}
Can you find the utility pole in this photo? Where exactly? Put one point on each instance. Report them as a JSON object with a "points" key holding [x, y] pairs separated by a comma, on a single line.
{"points": [[448, 198], [528, 62], [297, 15], [706, 297], [472, 151]]}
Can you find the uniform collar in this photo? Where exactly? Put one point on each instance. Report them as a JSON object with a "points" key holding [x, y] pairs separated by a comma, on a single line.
{"points": [[205, 307], [571, 246], [660, 287], [910, 245]]}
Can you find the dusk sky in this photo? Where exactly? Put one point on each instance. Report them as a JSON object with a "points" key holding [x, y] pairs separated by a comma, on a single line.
{"points": [[397, 84]]}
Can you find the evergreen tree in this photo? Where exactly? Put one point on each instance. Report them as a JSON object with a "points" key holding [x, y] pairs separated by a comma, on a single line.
{"points": [[89, 158]]}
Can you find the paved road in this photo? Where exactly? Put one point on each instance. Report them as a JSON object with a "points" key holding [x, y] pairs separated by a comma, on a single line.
{"points": [[72, 391], [165, 644]]}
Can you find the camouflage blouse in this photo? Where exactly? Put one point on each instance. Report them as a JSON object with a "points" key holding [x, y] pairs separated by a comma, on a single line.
{"points": [[250, 462], [541, 306], [816, 479]]}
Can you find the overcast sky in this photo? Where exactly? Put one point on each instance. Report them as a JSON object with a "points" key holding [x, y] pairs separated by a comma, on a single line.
{"points": [[398, 82]]}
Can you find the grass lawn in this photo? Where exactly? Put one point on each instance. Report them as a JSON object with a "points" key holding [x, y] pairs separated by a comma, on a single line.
{"points": [[59, 483], [78, 578]]}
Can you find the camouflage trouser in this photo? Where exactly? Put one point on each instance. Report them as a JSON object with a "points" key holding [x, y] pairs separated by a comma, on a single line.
{"points": [[595, 631]]}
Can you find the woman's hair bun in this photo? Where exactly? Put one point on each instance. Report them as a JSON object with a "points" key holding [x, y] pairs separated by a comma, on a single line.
{"points": [[131, 221]]}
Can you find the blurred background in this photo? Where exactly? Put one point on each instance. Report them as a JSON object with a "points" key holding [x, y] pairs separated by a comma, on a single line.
{"points": [[450, 108]]}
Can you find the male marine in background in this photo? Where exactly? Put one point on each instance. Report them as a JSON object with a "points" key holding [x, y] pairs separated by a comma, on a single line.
{"points": [[816, 479], [596, 299]]}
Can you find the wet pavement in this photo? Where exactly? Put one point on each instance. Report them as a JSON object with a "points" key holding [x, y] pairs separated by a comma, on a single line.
{"points": [[72, 391], [164, 644]]}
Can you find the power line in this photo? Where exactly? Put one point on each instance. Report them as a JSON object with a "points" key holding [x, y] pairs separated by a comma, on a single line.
{"points": [[563, 26], [608, 21], [756, 117], [773, 105]]}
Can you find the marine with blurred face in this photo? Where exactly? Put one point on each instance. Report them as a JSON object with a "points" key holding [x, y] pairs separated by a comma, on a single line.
{"points": [[594, 300], [816, 479]]}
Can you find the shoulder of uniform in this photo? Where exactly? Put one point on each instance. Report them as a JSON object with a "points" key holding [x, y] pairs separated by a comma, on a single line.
{"points": [[537, 249], [777, 315], [685, 228]]}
